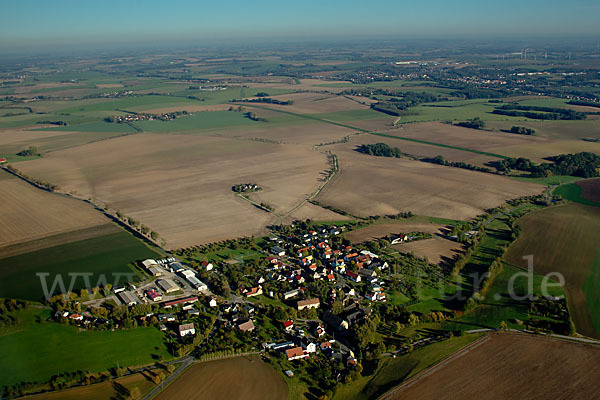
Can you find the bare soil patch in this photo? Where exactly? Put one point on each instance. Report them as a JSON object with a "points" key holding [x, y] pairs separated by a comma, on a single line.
{"points": [[510, 366], [246, 378], [590, 189]]}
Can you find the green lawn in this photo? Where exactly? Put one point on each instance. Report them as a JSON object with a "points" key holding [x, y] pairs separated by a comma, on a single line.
{"points": [[102, 256], [35, 351], [393, 371]]}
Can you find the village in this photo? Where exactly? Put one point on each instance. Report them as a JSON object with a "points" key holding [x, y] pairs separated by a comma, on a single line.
{"points": [[276, 310]]}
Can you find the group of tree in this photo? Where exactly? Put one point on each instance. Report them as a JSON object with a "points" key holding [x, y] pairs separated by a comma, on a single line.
{"points": [[584, 164], [380, 150], [475, 123], [254, 117], [584, 103], [440, 160], [266, 100], [137, 225], [536, 112], [521, 130], [31, 151]]}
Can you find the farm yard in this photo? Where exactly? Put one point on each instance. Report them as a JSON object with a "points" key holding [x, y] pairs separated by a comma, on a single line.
{"points": [[565, 239], [236, 378], [532, 367]]}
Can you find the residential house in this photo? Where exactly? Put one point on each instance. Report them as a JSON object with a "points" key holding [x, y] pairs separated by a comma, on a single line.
{"points": [[309, 303], [288, 325], [186, 329], [290, 294], [255, 291], [247, 326], [353, 276], [295, 353]]}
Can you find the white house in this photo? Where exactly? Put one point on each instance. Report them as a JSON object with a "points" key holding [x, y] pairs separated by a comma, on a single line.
{"points": [[186, 329]]}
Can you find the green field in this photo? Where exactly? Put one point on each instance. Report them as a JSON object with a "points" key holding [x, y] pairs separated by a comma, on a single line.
{"points": [[35, 350], [572, 192], [108, 254], [565, 239], [393, 371]]}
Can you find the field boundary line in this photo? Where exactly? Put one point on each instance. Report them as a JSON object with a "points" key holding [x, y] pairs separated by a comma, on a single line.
{"points": [[431, 369], [308, 116]]}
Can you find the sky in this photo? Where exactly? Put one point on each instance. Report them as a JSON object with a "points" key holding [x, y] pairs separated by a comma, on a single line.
{"points": [[44, 22]]}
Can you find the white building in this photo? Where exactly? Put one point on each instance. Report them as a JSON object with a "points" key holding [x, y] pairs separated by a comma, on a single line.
{"points": [[186, 329]]}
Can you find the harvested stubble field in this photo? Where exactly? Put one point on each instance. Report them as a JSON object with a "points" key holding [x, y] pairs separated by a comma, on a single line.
{"points": [[180, 185], [565, 239], [473, 139], [368, 185], [313, 103], [28, 213], [425, 150], [245, 378], [379, 231], [436, 250], [506, 366]]}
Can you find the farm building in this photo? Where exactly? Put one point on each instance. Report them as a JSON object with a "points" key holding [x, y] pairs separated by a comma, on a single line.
{"points": [[167, 285], [129, 298], [278, 251], [149, 263], [176, 267], [197, 283], [153, 295], [155, 271], [290, 294], [309, 303], [186, 329], [183, 300]]}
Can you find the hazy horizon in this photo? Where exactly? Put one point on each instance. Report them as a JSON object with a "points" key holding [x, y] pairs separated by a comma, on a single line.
{"points": [[33, 25]]}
